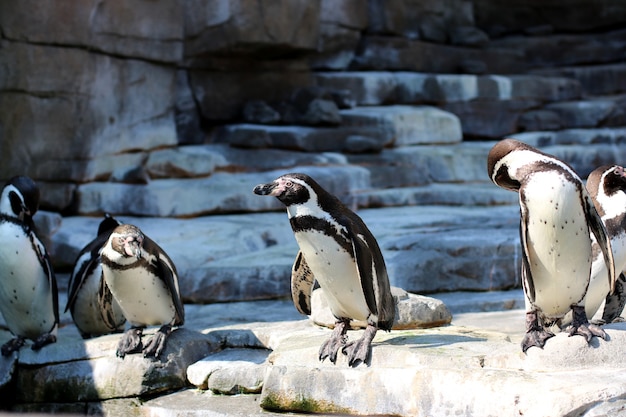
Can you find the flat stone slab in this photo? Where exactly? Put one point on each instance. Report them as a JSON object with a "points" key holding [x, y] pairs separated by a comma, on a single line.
{"points": [[407, 125]]}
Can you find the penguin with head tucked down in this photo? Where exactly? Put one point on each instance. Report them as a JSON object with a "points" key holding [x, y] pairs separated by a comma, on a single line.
{"points": [[557, 215], [90, 302], [144, 281], [338, 250], [28, 289], [607, 187]]}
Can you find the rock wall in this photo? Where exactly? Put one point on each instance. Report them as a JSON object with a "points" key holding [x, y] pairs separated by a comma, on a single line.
{"points": [[103, 94]]}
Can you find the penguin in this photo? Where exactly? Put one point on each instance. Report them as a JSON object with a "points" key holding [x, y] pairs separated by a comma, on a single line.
{"points": [[90, 302], [28, 289], [556, 218], [339, 252], [607, 187], [144, 281]]}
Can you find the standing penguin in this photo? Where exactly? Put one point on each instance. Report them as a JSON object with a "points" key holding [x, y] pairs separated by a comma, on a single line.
{"points": [[338, 250], [143, 280], [607, 187], [557, 216], [93, 308], [28, 290]]}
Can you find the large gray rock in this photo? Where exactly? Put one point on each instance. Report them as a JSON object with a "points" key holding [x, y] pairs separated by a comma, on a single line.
{"points": [[399, 54], [246, 27], [73, 370], [595, 79], [406, 125], [565, 16], [149, 30], [65, 95]]}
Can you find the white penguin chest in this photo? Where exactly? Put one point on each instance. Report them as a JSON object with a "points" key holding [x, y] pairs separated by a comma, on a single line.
{"points": [[337, 273], [142, 296], [559, 245], [26, 298]]}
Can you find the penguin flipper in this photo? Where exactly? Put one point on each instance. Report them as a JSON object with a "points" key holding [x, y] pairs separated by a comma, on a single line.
{"points": [[45, 262], [167, 271], [527, 276], [366, 270], [596, 225], [302, 281], [107, 312]]}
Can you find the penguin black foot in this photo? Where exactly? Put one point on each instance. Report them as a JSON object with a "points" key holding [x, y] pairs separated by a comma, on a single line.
{"points": [[536, 334], [130, 342], [43, 340], [156, 344], [12, 345], [336, 341], [581, 326], [360, 351]]}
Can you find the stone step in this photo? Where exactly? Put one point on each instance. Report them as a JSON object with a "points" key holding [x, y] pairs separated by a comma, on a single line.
{"points": [[374, 88], [595, 79]]}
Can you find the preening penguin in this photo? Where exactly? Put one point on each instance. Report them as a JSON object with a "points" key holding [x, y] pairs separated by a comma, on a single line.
{"points": [[557, 215], [93, 308], [607, 187], [143, 280], [338, 250], [28, 290]]}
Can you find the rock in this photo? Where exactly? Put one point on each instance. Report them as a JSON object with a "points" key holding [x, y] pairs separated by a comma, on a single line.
{"points": [[236, 28], [367, 88], [594, 79], [468, 36], [438, 194], [258, 111], [534, 120], [308, 139], [93, 372], [184, 162], [362, 144], [406, 125], [564, 16], [584, 113], [547, 52], [149, 30], [221, 95], [322, 112], [230, 371], [407, 18], [489, 119], [186, 197], [399, 54], [412, 311], [432, 28], [186, 112], [85, 109], [341, 23]]}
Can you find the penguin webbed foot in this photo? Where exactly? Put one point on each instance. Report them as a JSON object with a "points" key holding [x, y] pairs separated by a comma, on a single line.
{"points": [[130, 342], [536, 334], [581, 326], [360, 351], [156, 344], [43, 340], [336, 341], [12, 345]]}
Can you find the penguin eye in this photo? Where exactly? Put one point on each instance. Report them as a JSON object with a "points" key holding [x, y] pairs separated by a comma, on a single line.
{"points": [[289, 184]]}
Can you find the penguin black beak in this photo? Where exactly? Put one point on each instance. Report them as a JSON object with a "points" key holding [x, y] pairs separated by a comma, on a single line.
{"points": [[264, 189]]}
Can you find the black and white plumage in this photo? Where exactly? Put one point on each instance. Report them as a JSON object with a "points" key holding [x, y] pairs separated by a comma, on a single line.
{"points": [[607, 187], [144, 281], [338, 250], [90, 302], [28, 289], [557, 216]]}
